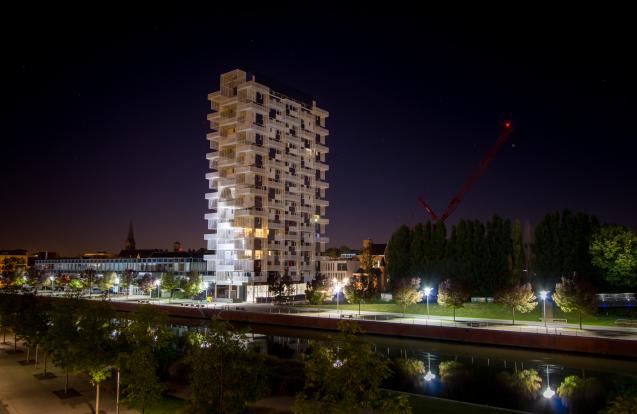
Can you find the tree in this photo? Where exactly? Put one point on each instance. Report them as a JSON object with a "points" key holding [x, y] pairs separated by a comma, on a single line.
{"points": [[397, 255], [128, 276], [614, 250], [344, 375], [524, 384], [95, 346], [407, 294], [575, 295], [146, 333], [581, 394], [226, 374], [358, 290], [317, 290], [276, 286], [193, 283], [416, 251], [146, 283], [518, 258], [622, 403], [63, 336], [519, 297], [89, 278], [107, 281], [451, 294], [169, 282]]}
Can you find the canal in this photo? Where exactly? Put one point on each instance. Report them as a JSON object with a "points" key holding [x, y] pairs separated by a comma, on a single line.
{"points": [[496, 376]]}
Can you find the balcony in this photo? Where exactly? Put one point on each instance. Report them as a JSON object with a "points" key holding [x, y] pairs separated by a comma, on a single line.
{"points": [[273, 143], [244, 169], [272, 224], [322, 148], [251, 212], [225, 182], [321, 184], [321, 166], [321, 130], [321, 202], [212, 175]]}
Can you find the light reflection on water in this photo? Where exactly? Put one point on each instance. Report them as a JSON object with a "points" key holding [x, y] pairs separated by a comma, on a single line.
{"points": [[497, 376]]}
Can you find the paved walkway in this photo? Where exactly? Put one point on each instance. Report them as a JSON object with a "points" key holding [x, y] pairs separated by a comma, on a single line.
{"points": [[22, 393]]}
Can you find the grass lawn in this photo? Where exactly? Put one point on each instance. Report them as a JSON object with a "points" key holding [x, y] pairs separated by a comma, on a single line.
{"points": [[167, 405], [481, 310]]}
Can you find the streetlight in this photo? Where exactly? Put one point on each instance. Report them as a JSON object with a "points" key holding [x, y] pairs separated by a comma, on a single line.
{"points": [[157, 283], [428, 291], [429, 375], [52, 279], [548, 392], [338, 286], [543, 295]]}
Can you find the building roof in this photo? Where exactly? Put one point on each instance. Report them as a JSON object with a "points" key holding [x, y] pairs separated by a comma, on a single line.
{"points": [[15, 252]]}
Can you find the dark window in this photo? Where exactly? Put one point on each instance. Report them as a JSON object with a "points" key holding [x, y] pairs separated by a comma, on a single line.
{"points": [[257, 222], [271, 194], [259, 98], [258, 203], [259, 119], [341, 266], [271, 153], [259, 140], [272, 113], [258, 181], [258, 160]]}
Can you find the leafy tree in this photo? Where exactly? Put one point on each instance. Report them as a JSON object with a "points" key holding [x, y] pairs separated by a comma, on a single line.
{"points": [[518, 258], [397, 255], [95, 347], [622, 403], [63, 336], [614, 251], [75, 284], [193, 283], [524, 384], [13, 271], [581, 394], [169, 282], [358, 290], [518, 297], [407, 294], [89, 279], [331, 386], [416, 251], [146, 283], [128, 277], [317, 290], [335, 252], [33, 322], [226, 374], [279, 286], [145, 334], [451, 294], [107, 281], [575, 295], [561, 247]]}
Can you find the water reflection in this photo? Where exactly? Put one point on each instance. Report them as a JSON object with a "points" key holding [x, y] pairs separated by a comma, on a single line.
{"points": [[509, 378]]}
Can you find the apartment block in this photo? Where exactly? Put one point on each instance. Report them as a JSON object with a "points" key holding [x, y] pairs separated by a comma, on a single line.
{"points": [[267, 186]]}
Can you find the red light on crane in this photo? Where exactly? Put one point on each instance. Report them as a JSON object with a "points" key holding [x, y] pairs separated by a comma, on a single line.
{"points": [[507, 124]]}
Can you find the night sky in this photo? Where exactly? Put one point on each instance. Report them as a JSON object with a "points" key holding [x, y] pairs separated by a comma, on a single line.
{"points": [[104, 119]]}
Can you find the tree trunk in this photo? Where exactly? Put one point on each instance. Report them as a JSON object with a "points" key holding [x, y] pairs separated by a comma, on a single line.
{"points": [[454, 314], [97, 398], [45, 357], [15, 342], [66, 382], [28, 354], [359, 307], [37, 346], [580, 320], [4, 333], [513, 312]]}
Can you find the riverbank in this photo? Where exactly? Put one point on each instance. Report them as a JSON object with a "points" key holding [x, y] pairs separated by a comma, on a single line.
{"points": [[607, 347]]}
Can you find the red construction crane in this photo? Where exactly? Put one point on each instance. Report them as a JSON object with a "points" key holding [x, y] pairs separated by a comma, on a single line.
{"points": [[453, 204]]}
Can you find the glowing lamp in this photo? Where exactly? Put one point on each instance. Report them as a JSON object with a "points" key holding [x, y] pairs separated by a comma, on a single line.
{"points": [[548, 393]]}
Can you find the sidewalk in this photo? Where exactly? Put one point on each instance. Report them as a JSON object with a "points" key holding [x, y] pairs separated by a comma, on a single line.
{"points": [[22, 393]]}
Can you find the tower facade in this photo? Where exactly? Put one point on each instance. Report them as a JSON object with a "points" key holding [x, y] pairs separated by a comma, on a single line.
{"points": [[266, 184]]}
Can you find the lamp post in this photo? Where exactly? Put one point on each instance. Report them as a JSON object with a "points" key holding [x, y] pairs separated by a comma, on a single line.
{"points": [[543, 295], [116, 283], [157, 283], [338, 286], [52, 279], [427, 293]]}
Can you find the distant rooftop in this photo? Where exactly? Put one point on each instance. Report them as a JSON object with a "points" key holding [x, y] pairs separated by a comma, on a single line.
{"points": [[282, 88]]}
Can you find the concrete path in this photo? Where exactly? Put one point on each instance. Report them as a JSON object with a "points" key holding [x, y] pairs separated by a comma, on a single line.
{"points": [[22, 393]]}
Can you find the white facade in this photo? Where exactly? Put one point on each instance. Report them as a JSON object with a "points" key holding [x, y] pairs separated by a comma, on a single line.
{"points": [[339, 269], [266, 186]]}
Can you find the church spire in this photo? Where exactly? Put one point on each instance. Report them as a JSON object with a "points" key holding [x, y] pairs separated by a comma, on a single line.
{"points": [[130, 241]]}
